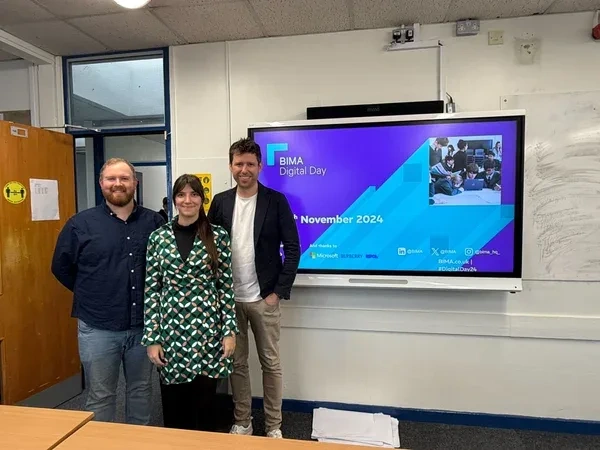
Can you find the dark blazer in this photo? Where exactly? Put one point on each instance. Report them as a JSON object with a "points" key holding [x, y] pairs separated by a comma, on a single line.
{"points": [[494, 180], [274, 224], [164, 215], [460, 161]]}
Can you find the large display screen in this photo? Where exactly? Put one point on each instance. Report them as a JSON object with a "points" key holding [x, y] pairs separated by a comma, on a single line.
{"points": [[400, 197]]}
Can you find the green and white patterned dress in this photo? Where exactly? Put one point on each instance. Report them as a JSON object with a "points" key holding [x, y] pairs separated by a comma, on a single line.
{"points": [[189, 310]]}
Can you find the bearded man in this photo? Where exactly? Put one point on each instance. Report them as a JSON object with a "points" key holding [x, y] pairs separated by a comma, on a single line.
{"points": [[100, 256]]}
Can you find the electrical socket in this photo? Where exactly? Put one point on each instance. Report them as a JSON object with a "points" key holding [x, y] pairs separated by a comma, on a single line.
{"points": [[468, 27], [496, 37]]}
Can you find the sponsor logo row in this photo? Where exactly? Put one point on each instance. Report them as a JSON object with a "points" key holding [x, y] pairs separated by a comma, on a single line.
{"points": [[403, 251]]}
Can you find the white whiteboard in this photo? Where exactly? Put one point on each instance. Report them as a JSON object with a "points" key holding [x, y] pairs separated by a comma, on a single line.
{"points": [[561, 220]]}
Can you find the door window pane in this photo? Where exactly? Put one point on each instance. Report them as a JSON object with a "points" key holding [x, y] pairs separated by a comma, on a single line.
{"points": [[84, 173], [144, 152], [152, 186]]}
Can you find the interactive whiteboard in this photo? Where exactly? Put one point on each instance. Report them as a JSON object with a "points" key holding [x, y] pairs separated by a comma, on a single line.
{"points": [[380, 201]]}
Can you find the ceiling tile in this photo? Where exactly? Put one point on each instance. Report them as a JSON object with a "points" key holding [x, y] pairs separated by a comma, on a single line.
{"points": [[392, 13], [4, 56], [74, 8], [494, 9], [56, 37], [159, 3], [566, 6], [208, 23], [283, 17], [21, 11], [129, 30]]}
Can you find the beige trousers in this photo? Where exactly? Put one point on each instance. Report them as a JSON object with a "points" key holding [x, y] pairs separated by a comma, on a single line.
{"points": [[265, 322]]}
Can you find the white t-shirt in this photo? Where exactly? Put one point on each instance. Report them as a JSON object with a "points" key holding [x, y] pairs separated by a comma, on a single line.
{"points": [[245, 280]]}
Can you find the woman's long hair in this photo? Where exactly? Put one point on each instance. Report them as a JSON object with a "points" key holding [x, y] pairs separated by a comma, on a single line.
{"points": [[205, 232]]}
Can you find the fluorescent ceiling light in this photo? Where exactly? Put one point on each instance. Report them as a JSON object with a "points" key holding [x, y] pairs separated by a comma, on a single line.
{"points": [[132, 4]]}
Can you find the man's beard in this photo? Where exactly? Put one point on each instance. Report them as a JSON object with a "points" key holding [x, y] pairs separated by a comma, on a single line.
{"points": [[121, 200]]}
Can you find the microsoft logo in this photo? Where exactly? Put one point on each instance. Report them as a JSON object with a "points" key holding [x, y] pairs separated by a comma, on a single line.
{"points": [[274, 148]]}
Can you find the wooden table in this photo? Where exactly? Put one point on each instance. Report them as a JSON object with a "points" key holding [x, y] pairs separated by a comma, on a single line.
{"points": [[111, 436], [38, 428]]}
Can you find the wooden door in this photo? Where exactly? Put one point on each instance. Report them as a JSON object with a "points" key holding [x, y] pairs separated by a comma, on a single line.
{"points": [[38, 338]]}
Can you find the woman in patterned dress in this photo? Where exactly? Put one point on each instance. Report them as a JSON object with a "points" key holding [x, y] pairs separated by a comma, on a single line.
{"points": [[190, 323]]}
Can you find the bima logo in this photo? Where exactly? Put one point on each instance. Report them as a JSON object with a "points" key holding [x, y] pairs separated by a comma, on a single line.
{"points": [[275, 148]]}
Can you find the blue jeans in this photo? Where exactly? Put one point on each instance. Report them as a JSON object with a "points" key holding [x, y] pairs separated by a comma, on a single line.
{"points": [[102, 352]]}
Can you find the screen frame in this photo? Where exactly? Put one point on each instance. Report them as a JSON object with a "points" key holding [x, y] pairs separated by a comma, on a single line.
{"points": [[503, 281]]}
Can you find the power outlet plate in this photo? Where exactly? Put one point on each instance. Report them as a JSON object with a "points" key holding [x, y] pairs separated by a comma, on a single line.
{"points": [[469, 27], [495, 37]]}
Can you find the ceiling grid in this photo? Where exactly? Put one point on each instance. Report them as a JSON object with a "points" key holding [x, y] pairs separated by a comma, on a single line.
{"points": [[66, 27]]}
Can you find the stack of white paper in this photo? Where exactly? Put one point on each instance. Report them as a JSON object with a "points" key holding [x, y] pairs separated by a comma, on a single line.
{"points": [[347, 427]]}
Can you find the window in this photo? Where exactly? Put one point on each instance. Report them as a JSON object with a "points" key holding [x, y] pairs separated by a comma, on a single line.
{"points": [[123, 91], [117, 105]]}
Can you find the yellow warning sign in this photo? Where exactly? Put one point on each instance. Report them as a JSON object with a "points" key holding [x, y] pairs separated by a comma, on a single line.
{"points": [[14, 192], [206, 180]]}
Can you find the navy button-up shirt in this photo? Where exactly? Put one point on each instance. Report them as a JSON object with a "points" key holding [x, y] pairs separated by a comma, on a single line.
{"points": [[102, 259]]}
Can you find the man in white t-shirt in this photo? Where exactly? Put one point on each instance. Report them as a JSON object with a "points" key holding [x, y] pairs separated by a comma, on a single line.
{"points": [[259, 221]]}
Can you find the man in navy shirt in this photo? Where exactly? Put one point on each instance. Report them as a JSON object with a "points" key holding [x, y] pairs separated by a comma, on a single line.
{"points": [[100, 256]]}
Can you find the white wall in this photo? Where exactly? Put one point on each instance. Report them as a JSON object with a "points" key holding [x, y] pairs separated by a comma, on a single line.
{"points": [[14, 85], [533, 353], [148, 148], [48, 103]]}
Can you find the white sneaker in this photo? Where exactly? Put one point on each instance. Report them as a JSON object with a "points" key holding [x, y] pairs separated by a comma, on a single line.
{"points": [[239, 429], [275, 434]]}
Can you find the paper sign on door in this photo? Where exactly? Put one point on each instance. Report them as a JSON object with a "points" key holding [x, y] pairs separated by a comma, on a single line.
{"points": [[44, 199]]}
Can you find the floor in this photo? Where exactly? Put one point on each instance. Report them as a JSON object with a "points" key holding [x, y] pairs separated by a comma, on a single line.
{"points": [[413, 435]]}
